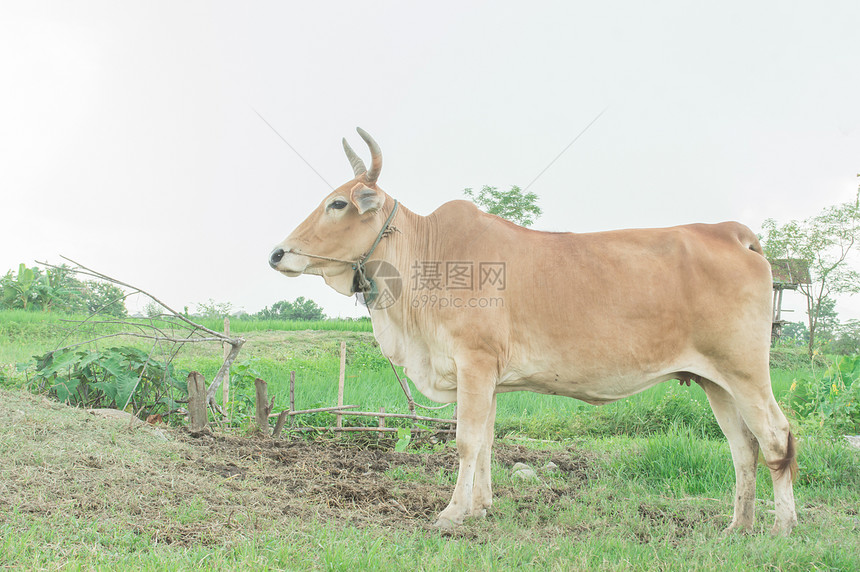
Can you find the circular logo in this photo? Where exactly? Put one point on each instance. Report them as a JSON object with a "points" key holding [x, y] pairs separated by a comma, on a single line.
{"points": [[387, 285]]}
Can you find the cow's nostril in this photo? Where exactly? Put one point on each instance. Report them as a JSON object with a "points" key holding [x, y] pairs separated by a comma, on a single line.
{"points": [[275, 257]]}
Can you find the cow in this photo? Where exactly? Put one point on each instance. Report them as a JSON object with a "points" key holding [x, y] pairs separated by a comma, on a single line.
{"points": [[472, 305]]}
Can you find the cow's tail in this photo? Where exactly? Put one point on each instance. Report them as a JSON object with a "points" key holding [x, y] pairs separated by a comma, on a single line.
{"points": [[789, 462], [748, 238]]}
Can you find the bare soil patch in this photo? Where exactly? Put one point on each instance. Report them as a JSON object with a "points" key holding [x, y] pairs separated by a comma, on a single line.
{"points": [[169, 487], [357, 479]]}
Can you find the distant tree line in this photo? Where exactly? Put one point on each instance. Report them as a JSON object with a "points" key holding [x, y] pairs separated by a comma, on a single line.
{"points": [[58, 290], [834, 337], [300, 309]]}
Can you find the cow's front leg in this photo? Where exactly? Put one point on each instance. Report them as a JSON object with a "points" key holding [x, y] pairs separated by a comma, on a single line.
{"points": [[475, 408], [482, 495]]}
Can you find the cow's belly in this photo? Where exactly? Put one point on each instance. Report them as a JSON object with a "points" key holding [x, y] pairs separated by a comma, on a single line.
{"points": [[429, 364], [594, 390]]}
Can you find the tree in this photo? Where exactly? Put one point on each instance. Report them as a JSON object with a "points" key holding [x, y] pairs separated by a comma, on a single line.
{"points": [[57, 289], [18, 290], [823, 242], [796, 331], [103, 298], [153, 309], [828, 320], [212, 309], [513, 205], [847, 339], [301, 309]]}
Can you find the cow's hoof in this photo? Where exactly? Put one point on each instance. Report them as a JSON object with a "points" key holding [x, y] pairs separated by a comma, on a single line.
{"points": [[444, 524], [781, 530], [735, 528], [478, 513]]}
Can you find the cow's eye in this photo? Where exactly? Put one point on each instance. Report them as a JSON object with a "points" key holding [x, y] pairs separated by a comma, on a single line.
{"points": [[338, 205]]}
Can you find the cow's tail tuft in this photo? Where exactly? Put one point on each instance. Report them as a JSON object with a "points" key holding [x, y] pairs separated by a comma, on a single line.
{"points": [[789, 462]]}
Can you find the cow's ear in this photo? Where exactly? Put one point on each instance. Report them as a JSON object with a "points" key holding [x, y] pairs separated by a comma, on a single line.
{"points": [[365, 199]]}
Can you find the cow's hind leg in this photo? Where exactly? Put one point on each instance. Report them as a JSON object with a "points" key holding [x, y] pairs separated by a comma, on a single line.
{"points": [[770, 426], [744, 447]]}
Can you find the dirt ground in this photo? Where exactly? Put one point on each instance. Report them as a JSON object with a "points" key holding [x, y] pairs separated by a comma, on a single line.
{"points": [[356, 479], [61, 463]]}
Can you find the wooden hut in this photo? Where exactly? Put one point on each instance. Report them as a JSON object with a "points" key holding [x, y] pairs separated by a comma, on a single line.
{"points": [[788, 274]]}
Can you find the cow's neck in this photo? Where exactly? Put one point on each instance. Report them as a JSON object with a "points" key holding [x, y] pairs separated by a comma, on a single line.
{"points": [[414, 239]]}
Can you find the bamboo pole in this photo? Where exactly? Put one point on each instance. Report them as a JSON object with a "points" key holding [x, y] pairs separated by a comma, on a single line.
{"points": [[317, 410], [397, 415], [292, 398], [225, 395], [380, 429], [340, 382]]}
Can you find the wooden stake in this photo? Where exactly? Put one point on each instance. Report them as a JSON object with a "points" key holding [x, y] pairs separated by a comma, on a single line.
{"points": [[382, 417], [225, 395], [292, 398], [340, 382], [263, 406], [197, 402], [279, 426]]}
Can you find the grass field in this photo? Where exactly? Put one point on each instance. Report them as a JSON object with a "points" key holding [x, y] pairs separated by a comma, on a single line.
{"points": [[643, 484], [86, 493]]}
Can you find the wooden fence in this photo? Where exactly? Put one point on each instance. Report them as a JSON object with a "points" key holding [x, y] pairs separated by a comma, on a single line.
{"points": [[198, 414]]}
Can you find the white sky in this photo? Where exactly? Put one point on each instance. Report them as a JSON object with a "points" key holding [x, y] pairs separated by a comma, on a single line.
{"points": [[129, 142]]}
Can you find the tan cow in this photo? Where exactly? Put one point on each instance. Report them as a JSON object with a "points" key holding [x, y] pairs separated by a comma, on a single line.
{"points": [[473, 305]]}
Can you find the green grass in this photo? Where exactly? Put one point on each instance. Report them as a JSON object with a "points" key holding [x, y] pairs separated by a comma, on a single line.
{"points": [[89, 494], [240, 326], [656, 493], [314, 356]]}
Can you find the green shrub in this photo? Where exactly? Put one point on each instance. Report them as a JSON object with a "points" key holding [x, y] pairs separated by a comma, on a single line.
{"points": [[116, 377], [832, 398]]}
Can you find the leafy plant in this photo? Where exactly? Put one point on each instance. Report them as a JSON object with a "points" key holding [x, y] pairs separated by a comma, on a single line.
{"points": [[118, 377], [242, 376], [404, 437], [833, 399]]}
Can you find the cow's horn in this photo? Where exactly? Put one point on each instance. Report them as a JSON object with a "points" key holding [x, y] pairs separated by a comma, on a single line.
{"points": [[375, 156], [357, 164]]}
